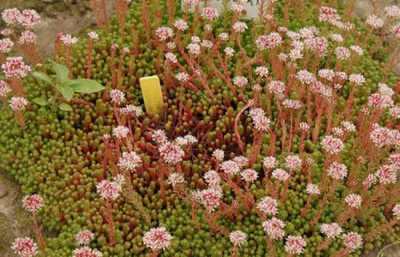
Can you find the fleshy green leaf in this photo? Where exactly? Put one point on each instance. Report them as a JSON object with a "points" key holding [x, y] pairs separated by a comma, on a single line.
{"points": [[40, 101], [2, 77], [65, 107], [41, 76], [85, 85], [66, 92], [62, 72]]}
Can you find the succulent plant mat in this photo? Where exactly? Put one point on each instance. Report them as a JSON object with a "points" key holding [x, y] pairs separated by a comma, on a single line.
{"points": [[184, 130]]}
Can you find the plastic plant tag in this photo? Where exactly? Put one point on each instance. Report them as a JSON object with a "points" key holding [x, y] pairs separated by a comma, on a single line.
{"points": [[251, 6], [152, 94]]}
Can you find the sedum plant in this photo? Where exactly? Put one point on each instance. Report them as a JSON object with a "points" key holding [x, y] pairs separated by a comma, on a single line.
{"points": [[278, 136]]}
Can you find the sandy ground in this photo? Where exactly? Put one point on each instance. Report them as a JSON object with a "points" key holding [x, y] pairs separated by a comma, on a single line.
{"points": [[14, 221], [364, 8]]}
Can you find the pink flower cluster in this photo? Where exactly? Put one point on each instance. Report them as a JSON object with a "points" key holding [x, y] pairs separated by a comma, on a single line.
{"points": [[209, 13], [239, 27], [68, 40], [229, 51], [306, 77], [241, 161], [10, 16], [326, 74], [237, 238], [5, 45], [332, 145], [270, 41], [383, 136], [396, 211], [119, 179], [120, 132], [240, 81], [170, 57], [230, 167], [24, 247], [374, 22], [212, 178], [186, 140], [208, 44], [318, 45], [32, 203], [386, 174], [274, 228], [352, 240], [86, 252], [357, 49], [192, 3], [182, 77], [133, 110], [117, 96], [304, 126], [15, 67], [164, 33], [331, 230], [369, 180], [159, 136], [84, 237], [337, 171], [175, 179], [394, 160], [342, 52], [392, 12], [291, 104], [109, 189], [353, 200], [237, 8], [313, 189], [295, 244], [157, 239], [27, 18], [194, 49], [260, 121], [348, 126], [249, 175], [28, 37], [4, 89], [93, 36], [328, 14], [269, 162], [280, 175], [171, 153], [218, 154], [129, 161], [357, 79], [277, 87], [180, 25], [268, 205], [380, 101], [261, 71], [210, 198], [293, 162], [18, 103]]}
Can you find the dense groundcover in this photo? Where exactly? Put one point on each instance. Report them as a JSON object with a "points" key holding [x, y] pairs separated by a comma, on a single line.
{"points": [[300, 104]]}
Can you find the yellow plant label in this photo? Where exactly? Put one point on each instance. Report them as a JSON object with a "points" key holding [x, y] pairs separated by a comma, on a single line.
{"points": [[152, 94]]}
